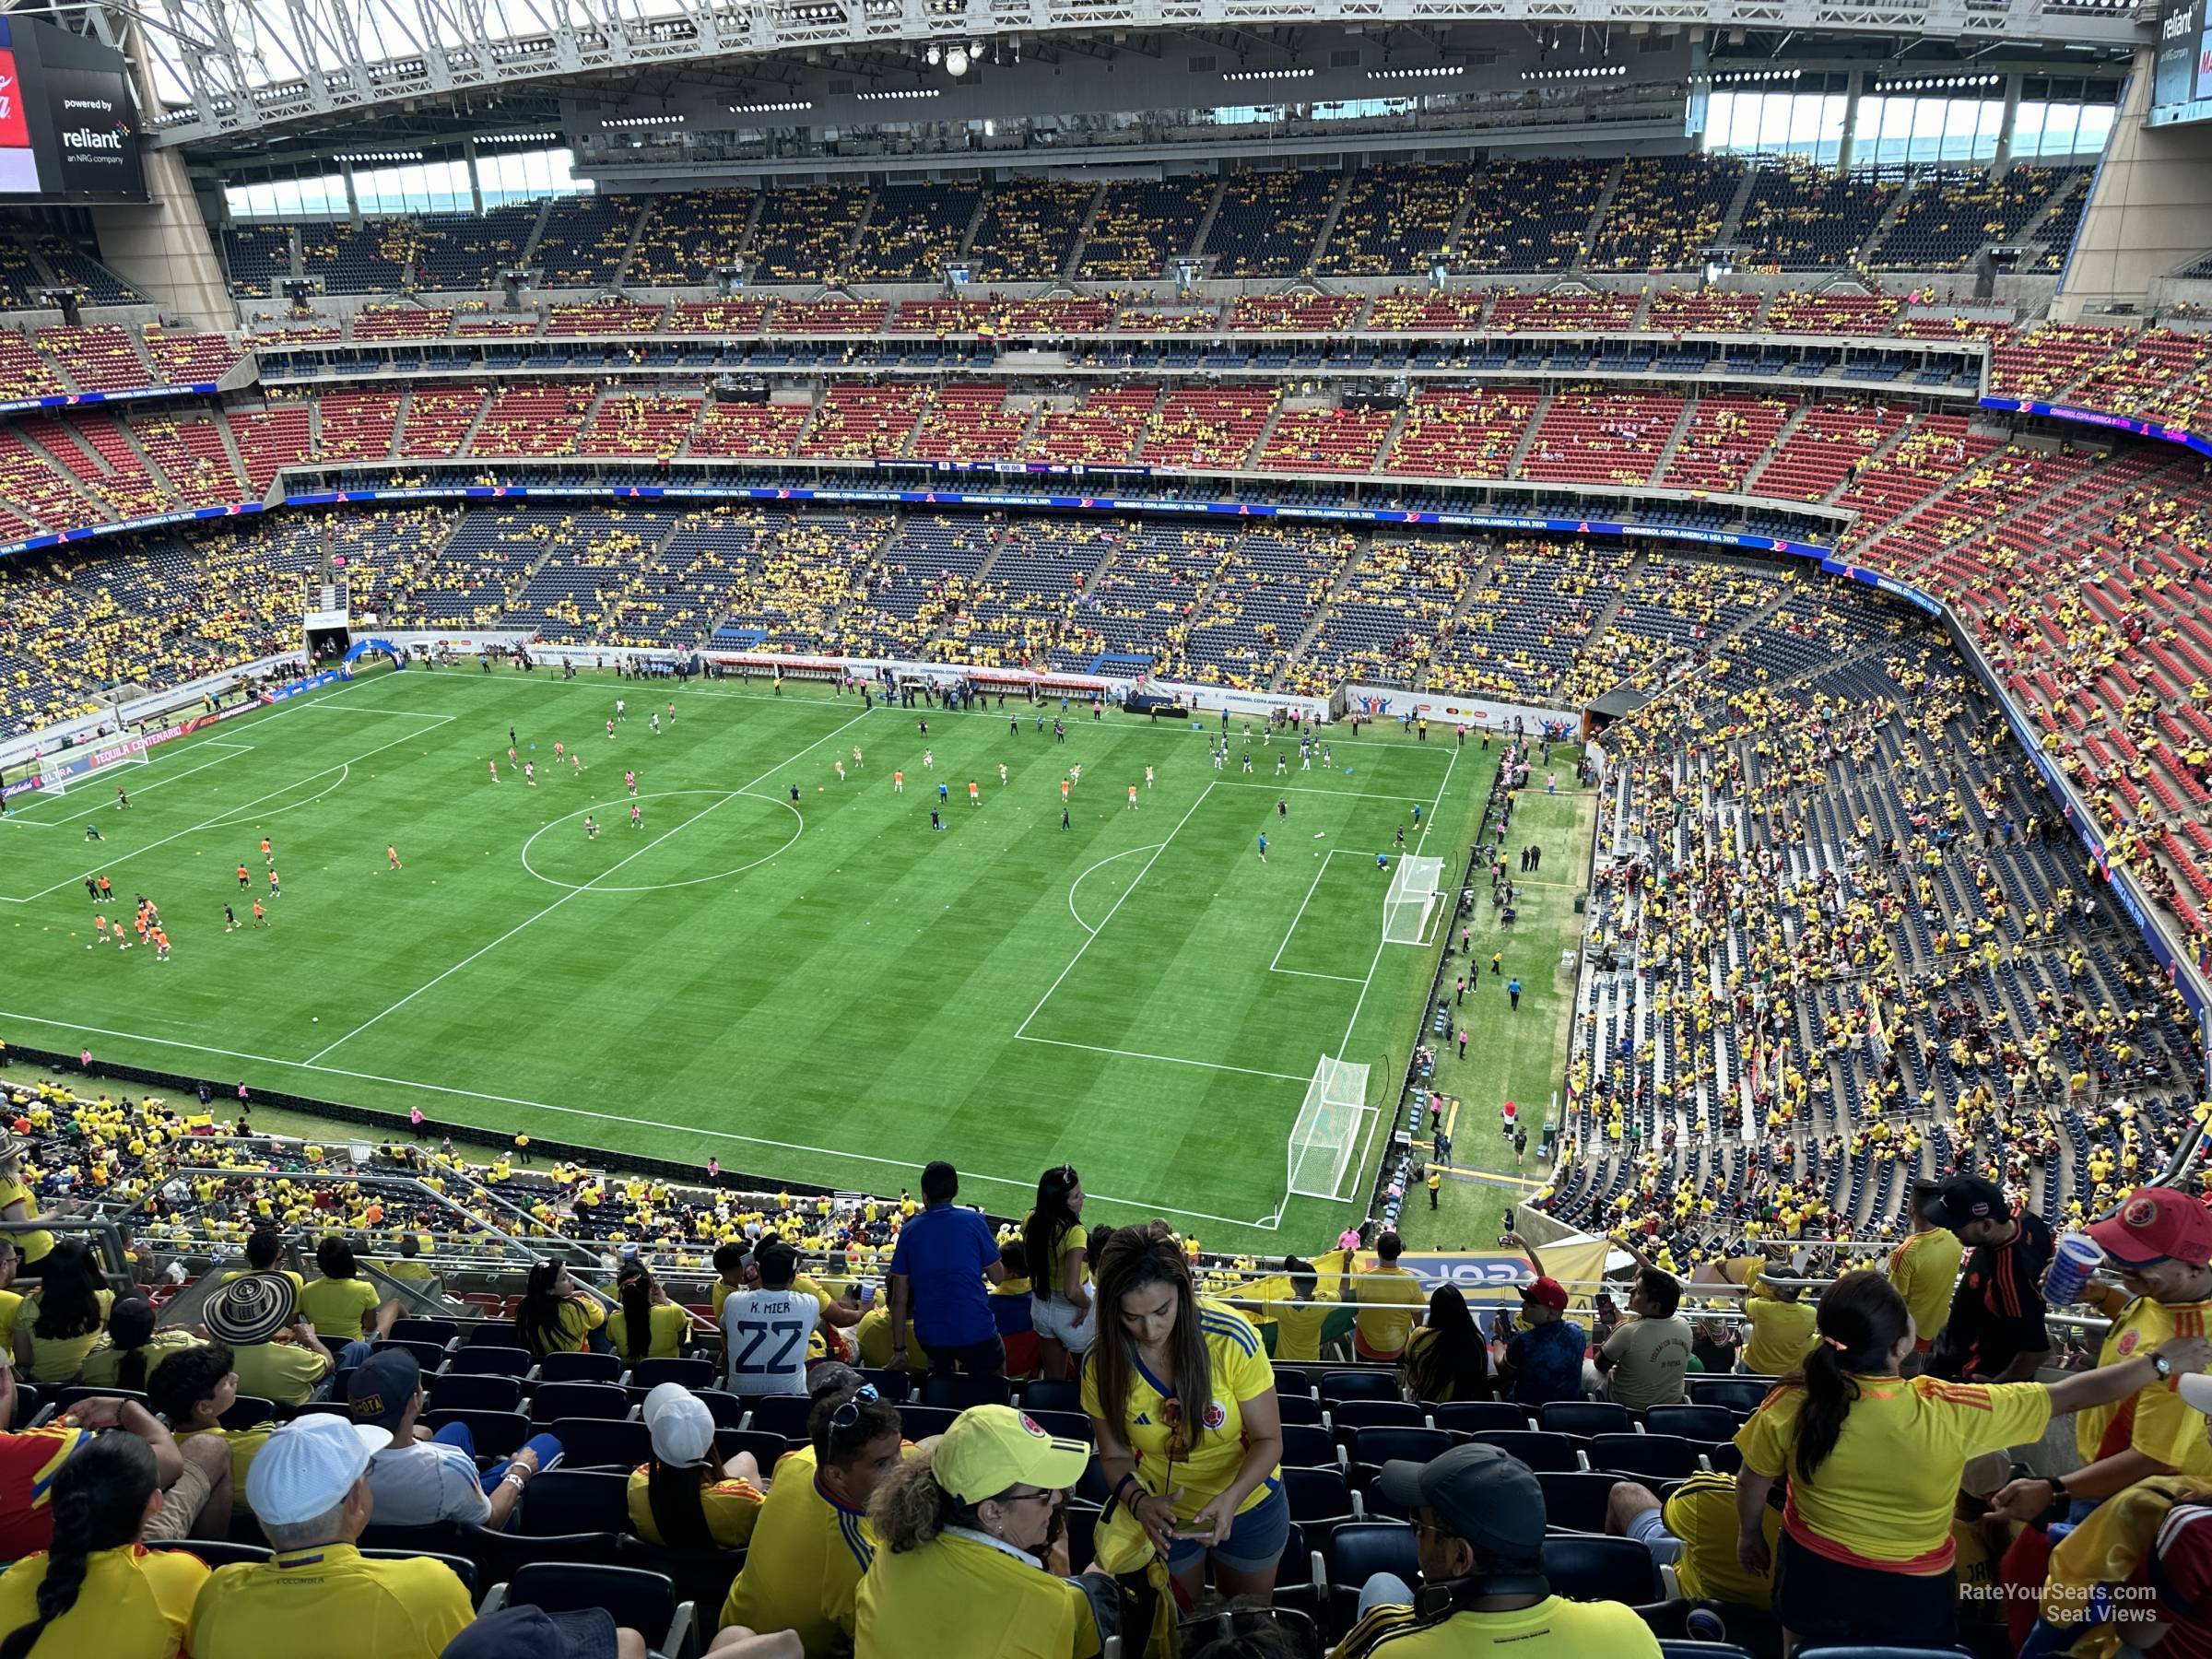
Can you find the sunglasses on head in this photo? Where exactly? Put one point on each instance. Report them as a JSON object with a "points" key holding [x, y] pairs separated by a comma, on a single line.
{"points": [[848, 1415]]}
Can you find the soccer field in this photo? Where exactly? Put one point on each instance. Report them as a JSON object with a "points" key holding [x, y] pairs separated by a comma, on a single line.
{"points": [[820, 990]]}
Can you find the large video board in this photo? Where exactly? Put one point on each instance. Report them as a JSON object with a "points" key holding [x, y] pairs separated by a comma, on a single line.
{"points": [[68, 126]]}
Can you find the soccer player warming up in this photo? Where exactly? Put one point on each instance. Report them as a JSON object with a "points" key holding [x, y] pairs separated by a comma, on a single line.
{"points": [[636, 819], [392, 855], [590, 827]]}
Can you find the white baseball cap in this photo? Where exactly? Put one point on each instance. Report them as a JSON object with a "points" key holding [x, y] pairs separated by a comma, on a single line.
{"points": [[310, 1464], [681, 1426]]}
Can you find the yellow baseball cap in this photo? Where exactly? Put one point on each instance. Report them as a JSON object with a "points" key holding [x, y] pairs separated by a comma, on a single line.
{"points": [[992, 1448]]}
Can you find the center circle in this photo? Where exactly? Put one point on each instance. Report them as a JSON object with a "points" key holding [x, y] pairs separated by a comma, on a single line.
{"points": [[732, 819]]}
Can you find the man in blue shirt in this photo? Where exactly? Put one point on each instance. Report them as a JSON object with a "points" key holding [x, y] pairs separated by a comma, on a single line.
{"points": [[938, 1267], [1545, 1362]]}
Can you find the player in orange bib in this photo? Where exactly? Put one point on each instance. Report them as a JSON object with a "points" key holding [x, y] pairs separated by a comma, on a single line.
{"points": [[100, 930], [897, 783], [260, 917], [267, 856], [392, 855], [974, 796]]}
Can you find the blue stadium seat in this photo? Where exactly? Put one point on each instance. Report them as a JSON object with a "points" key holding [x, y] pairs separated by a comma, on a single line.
{"points": [[1377, 1414], [602, 1442], [574, 1501], [1053, 1393], [957, 1393], [1475, 1417], [1646, 1456], [496, 1433], [1584, 1418], [449, 1391], [1692, 1422], [781, 1414], [487, 1361], [1575, 1500], [580, 1367], [688, 1373], [1379, 1383], [639, 1600], [553, 1401], [1370, 1449], [1538, 1450], [1307, 1445]]}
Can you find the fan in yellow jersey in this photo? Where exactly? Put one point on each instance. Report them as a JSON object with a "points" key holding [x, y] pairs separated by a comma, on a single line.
{"points": [[811, 1542], [2160, 1240], [964, 1532], [107, 1592], [1478, 1518], [687, 1498], [1181, 1399], [1299, 1321], [1924, 1268], [1874, 1463]]}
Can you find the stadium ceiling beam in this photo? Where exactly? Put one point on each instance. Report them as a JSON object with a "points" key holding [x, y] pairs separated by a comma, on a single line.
{"points": [[227, 68]]}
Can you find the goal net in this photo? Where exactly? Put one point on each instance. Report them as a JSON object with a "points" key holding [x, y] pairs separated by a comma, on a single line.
{"points": [[69, 771], [1414, 888], [1329, 1125]]}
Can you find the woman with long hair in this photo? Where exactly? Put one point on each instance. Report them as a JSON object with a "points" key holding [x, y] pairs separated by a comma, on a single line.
{"points": [[1181, 1399], [556, 1317], [61, 1320], [1056, 1247], [131, 1347], [95, 1580], [648, 1325], [1447, 1358], [685, 1497], [963, 1533], [1873, 1461], [340, 1302]]}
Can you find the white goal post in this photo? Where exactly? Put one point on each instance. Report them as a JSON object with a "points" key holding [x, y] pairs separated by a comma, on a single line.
{"points": [[1329, 1126], [75, 770], [1412, 900]]}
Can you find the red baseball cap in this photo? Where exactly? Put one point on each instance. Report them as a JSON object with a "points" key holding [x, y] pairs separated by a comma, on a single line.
{"points": [[2154, 1222], [1546, 1292]]}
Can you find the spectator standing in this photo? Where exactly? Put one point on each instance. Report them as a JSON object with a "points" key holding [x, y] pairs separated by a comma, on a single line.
{"points": [[937, 1278], [558, 1316], [1447, 1359], [418, 1478], [16, 1204], [1182, 1401], [812, 1541], [310, 1488], [646, 1325], [1780, 1323], [1389, 1297], [965, 1529], [1478, 1524], [97, 1590], [685, 1497], [765, 1330], [1053, 1248], [1924, 1268], [1647, 1356], [1715, 1349], [2160, 1240], [1874, 1463], [1299, 1321], [340, 1302], [1544, 1362], [1994, 1332]]}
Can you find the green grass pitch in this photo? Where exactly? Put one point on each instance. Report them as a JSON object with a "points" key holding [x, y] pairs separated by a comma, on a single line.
{"points": [[822, 990]]}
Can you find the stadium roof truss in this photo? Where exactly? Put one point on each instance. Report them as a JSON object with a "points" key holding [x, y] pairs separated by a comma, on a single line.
{"points": [[230, 66]]}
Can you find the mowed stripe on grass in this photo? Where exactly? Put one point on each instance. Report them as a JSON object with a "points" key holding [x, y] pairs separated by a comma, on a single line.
{"points": [[846, 1008]]}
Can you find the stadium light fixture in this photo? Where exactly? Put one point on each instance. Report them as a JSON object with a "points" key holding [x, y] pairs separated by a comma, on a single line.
{"points": [[956, 61]]}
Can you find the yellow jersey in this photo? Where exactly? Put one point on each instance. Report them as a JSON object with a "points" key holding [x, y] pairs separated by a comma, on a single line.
{"points": [[59, 1359], [1297, 1326], [1702, 1512], [32, 1246], [1782, 1333], [1554, 1627], [1924, 1268], [357, 1609], [803, 1570], [1883, 1498], [2154, 1421], [244, 1444], [1387, 1297], [964, 1592], [664, 1340], [872, 1341], [134, 1601], [282, 1371], [1215, 1442], [9, 1303], [336, 1307], [732, 1507], [103, 1365]]}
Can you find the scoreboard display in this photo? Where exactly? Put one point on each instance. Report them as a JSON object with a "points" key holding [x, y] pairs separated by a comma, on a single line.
{"points": [[68, 126], [2182, 78]]}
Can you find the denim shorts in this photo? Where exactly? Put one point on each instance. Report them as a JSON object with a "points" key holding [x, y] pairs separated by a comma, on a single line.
{"points": [[1648, 1529], [1254, 1543]]}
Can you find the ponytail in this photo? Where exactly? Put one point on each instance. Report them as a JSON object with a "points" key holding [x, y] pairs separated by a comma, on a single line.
{"points": [[637, 1311], [675, 1494], [130, 1334], [99, 1502], [1862, 1318]]}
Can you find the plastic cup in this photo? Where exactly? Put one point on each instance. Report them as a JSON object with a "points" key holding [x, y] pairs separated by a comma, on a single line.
{"points": [[2071, 1264]]}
